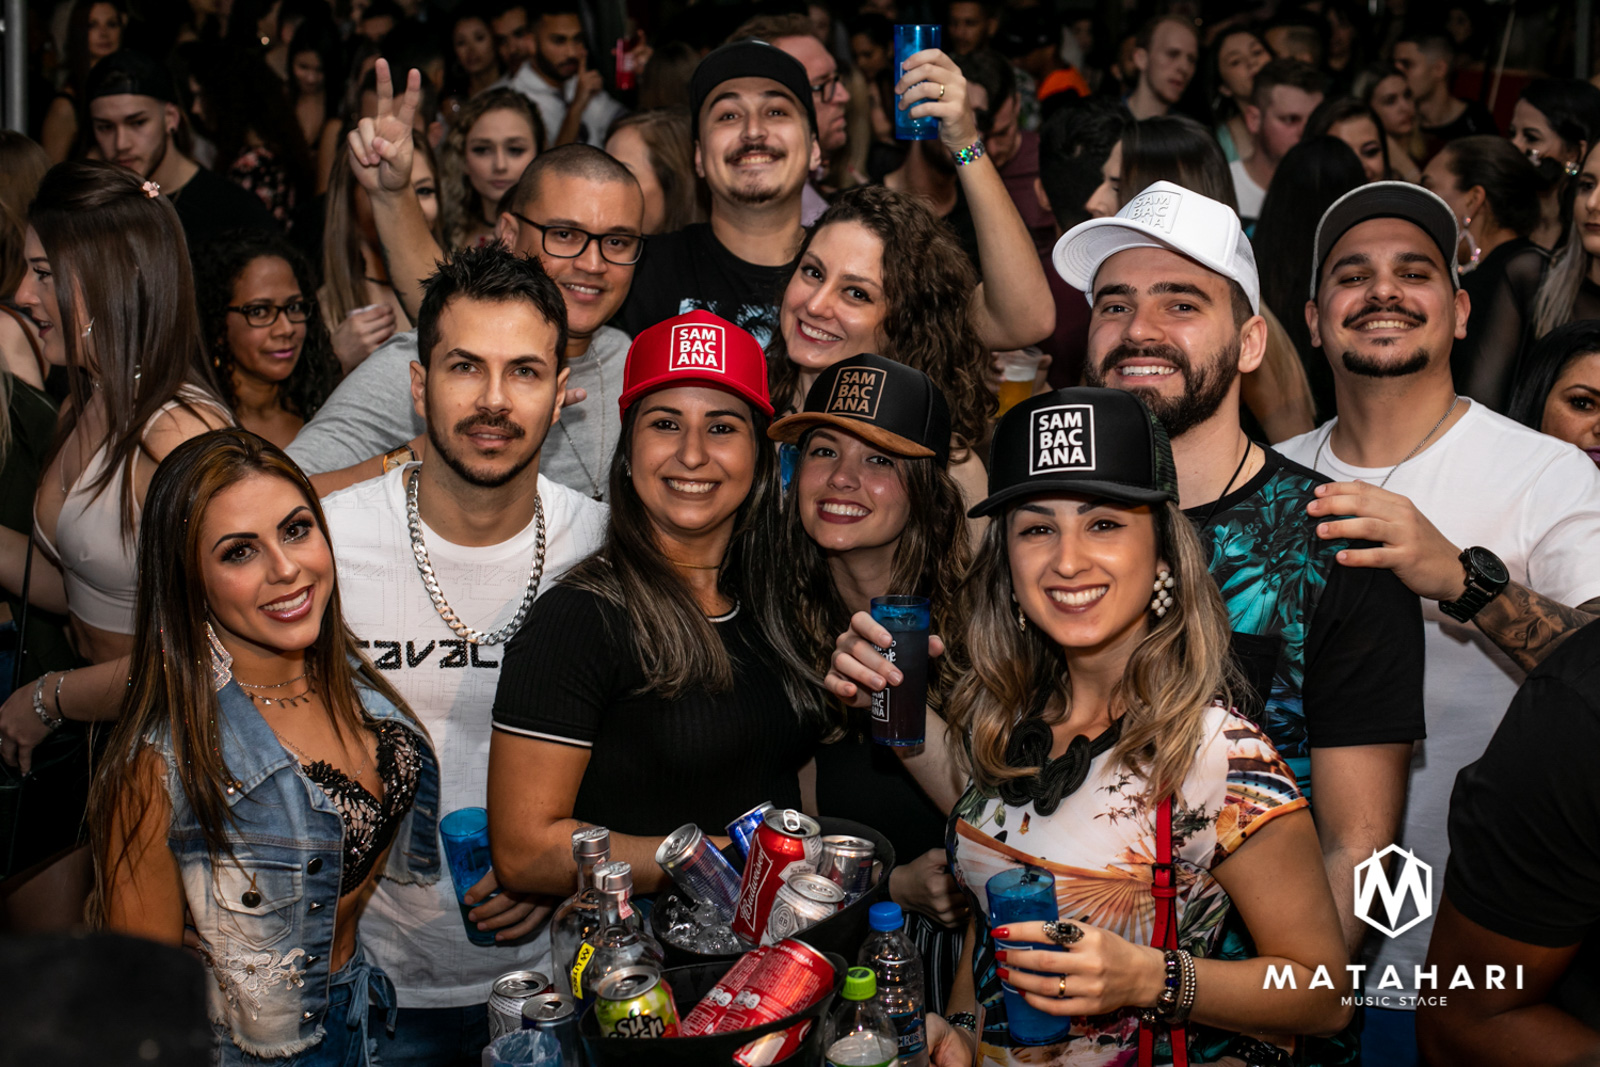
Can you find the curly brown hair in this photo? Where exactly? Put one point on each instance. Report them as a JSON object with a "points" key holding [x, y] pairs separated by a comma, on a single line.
{"points": [[927, 287], [459, 203]]}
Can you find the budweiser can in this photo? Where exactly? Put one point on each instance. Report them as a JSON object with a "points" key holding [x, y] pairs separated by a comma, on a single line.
{"points": [[699, 869], [763, 986], [635, 1002], [788, 843], [805, 900], [847, 861], [743, 829], [507, 996]]}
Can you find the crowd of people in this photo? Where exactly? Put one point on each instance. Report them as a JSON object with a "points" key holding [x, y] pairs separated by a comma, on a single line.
{"points": [[414, 406]]}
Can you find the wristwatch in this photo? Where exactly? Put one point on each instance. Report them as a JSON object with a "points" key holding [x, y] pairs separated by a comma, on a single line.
{"points": [[1486, 577], [1257, 1053]]}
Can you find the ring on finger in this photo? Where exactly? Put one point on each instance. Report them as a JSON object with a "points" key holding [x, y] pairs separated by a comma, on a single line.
{"points": [[1061, 988], [1063, 934], [941, 91]]}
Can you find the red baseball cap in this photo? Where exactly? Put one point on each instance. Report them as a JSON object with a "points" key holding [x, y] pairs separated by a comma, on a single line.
{"points": [[696, 348]]}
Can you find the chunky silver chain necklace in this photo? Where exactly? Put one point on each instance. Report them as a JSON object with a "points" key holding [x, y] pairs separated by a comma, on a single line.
{"points": [[1451, 411], [429, 580]]}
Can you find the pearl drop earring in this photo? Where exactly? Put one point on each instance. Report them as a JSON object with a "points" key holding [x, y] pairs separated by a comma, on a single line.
{"points": [[1163, 598]]}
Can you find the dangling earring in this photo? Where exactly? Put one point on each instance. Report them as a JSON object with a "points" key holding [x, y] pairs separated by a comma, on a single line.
{"points": [[221, 661], [1022, 620], [1475, 250], [1163, 598], [1571, 168]]}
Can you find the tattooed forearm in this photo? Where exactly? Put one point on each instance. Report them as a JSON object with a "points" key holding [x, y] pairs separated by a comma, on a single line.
{"points": [[1528, 626]]}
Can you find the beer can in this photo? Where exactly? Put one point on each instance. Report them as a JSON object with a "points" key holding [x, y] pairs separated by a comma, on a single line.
{"points": [[788, 842], [743, 829], [804, 901], [763, 986], [699, 869], [556, 1014], [635, 1002], [773, 1048], [506, 997], [848, 861]]}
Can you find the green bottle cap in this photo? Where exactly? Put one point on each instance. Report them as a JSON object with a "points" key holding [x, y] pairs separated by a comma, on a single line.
{"points": [[860, 983]]}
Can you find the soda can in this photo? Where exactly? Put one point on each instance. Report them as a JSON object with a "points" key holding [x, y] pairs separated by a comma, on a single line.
{"points": [[634, 1002], [763, 986], [788, 842], [804, 901], [848, 861], [909, 39], [773, 1048], [743, 829], [507, 996], [699, 869], [557, 1014]]}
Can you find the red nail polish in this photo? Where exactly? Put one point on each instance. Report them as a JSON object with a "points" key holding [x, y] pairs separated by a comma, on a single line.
{"points": [[1004, 974], [1002, 931], [1000, 955]]}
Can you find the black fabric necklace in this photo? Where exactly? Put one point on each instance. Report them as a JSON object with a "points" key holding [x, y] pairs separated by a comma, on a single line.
{"points": [[1056, 778]]}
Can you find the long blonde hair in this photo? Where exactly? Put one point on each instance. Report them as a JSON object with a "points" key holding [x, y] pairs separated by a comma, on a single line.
{"points": [[1172, 677]]}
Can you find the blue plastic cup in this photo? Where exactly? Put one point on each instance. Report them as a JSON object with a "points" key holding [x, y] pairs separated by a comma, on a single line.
{"points": [[1025, 894], [465, 834], [899, 715], [909, 39]]}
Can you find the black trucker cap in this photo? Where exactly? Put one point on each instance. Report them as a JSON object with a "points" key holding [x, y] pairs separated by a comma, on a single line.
{"points": [[888, 404], [1091, 442], [1386, 200], [127, 72], [749, 58]]}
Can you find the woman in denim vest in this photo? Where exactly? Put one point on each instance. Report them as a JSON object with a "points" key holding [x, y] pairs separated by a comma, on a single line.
{"points": [[261, 767]]}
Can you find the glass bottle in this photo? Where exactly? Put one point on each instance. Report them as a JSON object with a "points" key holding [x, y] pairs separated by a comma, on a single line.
{"points": [[621, 939], [579, 915]]}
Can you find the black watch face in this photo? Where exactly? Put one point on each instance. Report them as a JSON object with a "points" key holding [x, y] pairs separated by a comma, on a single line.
{"points": [[1488, 564]]}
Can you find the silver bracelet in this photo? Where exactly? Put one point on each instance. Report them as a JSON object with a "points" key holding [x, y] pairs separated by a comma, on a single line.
{"points": [[51, 722]]}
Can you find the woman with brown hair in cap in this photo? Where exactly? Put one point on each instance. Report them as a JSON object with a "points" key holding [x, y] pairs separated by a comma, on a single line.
{"points": [[1106, 766]]}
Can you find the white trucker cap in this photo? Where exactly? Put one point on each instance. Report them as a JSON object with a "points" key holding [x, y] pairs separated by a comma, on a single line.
{"points": [[1163, 216]]}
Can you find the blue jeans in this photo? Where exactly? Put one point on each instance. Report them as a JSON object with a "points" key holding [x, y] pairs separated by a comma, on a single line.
{"points": [[432, 1037], [1389, 1038], [344, 1042]]}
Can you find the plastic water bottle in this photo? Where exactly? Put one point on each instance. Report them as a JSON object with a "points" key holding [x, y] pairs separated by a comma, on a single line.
{"points": [[857, 1032], [897, 966]]}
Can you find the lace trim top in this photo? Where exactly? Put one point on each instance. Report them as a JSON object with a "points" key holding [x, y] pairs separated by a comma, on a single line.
{"points": [[370, 823]]}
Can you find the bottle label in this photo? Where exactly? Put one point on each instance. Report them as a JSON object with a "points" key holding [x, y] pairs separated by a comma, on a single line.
{"points": [[910, 1030], [585, 954]]}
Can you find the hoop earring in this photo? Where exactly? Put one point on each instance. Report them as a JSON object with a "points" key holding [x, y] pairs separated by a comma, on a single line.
{"points": [[1163, 590], [1475, 251]]}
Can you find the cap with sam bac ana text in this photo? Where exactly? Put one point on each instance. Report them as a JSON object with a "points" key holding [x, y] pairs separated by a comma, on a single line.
{"points": [[1101, 443], [887, 404], [696, 348]]}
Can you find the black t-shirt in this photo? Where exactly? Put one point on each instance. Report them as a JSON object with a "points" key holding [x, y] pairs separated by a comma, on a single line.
{"points": [[571, 675], [1502, 287], [690, 270], [1333, 654], [1525, 821], [867, 782], [208, 205], [1474, 120]]}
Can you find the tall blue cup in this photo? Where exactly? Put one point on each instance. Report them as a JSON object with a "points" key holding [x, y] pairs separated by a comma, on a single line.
{"points": [[909, 39], [1025, 894], [899, 712], [465, 833]]}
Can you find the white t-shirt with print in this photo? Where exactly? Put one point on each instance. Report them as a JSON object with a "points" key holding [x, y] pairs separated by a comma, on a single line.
{"points": [[1532, 500], [415, 932]]}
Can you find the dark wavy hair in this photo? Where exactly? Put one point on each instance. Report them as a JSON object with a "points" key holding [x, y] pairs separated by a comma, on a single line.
{"points": [[927, 285], [219, 263], [1538, 370]]}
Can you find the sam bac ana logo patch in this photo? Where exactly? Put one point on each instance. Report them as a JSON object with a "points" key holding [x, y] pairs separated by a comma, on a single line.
{"points": [[698, 346], [856, 393], [1061, 438]]}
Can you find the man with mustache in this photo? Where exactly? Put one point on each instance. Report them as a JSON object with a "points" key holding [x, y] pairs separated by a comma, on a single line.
{"points": [[439, 561], [549, 64], [1332, 654], [1427, 473], [755, 144]]}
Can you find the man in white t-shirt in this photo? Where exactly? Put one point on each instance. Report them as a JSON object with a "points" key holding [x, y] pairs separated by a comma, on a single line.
{"points": [[549, 65], [1285, 93], [1425, 473], [438, 563]]}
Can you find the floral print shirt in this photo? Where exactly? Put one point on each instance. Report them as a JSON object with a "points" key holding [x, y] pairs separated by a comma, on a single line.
{"points": [[1100, 844]]}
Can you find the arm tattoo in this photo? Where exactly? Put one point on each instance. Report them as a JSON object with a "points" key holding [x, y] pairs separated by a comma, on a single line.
{"points": [[1528, 626]]}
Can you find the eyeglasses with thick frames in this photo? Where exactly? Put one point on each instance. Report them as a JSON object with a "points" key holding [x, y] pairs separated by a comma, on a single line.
{"points": [[259, 315], [569, 242], [827, 87]]}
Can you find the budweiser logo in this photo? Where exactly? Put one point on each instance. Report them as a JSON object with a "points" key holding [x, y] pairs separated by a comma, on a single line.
{"points": [[750, 899]]}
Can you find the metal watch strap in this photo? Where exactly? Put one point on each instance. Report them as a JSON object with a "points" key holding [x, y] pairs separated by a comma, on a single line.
{"points": [[1464, 607]]}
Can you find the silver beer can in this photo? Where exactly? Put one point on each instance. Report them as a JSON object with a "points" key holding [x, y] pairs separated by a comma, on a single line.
{"points": [[848, 861], [506, 997], [803, 901]]}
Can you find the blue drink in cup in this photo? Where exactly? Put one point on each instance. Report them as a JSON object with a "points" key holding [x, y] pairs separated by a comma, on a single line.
{"points": [[910, 39], [898, 711], [1025, 894], [465, 834]]}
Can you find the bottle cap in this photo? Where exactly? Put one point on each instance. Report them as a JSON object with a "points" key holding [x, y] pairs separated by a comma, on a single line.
{"points": [[591, 841], [860, 983], [615, 876], [885, 916]]}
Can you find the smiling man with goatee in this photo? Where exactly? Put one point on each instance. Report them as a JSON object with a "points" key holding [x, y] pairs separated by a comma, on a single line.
{"points": [[755, 143]]}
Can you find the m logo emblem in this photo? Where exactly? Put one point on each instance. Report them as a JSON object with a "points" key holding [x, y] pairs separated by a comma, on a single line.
{"points": [[1412, 878], [698, 346]]}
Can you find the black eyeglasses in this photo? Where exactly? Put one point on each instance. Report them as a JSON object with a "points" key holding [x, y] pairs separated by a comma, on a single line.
{"points": [[827, 87], [569, 242], [259, 315]]}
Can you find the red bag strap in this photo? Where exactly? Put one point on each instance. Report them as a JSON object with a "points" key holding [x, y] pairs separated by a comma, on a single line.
{"points": [[1164, 888]]}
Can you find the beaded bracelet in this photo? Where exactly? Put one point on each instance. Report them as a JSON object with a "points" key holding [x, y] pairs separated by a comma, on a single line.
{"points": [[1171, 985], [970, 154], [51, 722], [1186, 998]]}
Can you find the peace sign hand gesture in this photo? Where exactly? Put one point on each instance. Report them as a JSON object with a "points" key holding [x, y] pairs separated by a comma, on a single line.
{"points": [[380, 147]]}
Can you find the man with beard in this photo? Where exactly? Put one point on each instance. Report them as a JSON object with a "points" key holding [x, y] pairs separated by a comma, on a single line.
{"points": [[549, 65], [438, 563], [1426, 473], [134, 116], [755, 144], [1332, 655]]}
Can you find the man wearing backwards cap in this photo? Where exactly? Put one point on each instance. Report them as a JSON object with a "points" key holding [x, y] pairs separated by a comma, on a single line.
{"points": [[133, 112], [755, 144], [1335, 652], [1386, 306]]}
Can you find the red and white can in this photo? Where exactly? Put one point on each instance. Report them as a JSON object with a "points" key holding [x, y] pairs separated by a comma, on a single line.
{"points": [[788, 842], [761, 987]]}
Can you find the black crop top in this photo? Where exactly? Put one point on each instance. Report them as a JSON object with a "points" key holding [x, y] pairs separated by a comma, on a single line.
{"points": [[369, 824]]}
